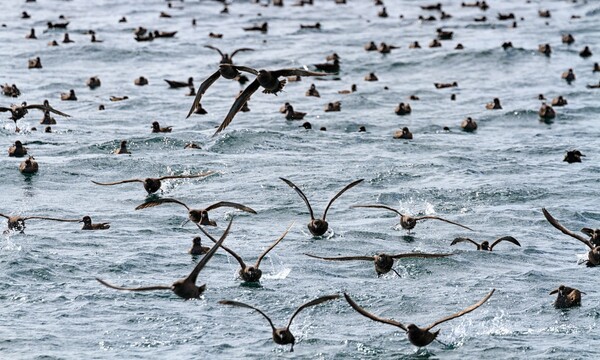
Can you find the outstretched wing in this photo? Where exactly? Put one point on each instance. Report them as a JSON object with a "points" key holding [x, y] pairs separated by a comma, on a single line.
{"points": [[342, 258], [241, 304], [4, 109], [239, 50], [118, 182], [206, 173], [377, 207], [347, 187], [463, 312], [5, 216], [371, 316], [564, 230], [314, 302], [264, 253], [194, 274], [202, 89], [244, 69], [214, 48], [464, 239], [238, 104], [146, 288], [291, 184], [441, 219], [418, 255], [230, 204], [231, 252], [49, 108], [50, 218], [153, 203], [297, 72], [505, 238]]}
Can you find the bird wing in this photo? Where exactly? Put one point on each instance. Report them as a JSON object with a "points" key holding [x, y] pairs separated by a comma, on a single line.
{"points": [[314, 302], [145, 288], [214, 48], [564, 230], [4, 109], [238, 50], [49, 108], [347, 187], [463, 312], [464, 239], [244, 69], [371, 316], [291, 184], [377, 207], [342, 258], [153, 203], [50, 218], [230, 204], [505, 238], [238, 104], [442, 219], [118, 182], [206, 173], [194, 274], [241, 304], [264, 253], [418, 255], [5, 216], [298, 72], [231, 252], [202, 89]]}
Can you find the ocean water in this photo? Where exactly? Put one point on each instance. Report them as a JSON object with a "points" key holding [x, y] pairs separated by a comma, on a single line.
{"points": [[495, 180]]}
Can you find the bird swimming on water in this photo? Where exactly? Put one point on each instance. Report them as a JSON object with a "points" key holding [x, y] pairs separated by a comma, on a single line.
{"points": [[282, 336], [566, 297], [417, 336], [88, 225], [573, 156], [318, 227]]}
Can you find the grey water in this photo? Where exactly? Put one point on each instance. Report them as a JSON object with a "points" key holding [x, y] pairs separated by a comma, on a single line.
{"points": [[495, 180]]}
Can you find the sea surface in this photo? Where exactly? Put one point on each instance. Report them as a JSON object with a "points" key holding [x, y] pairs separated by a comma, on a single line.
{"points": [[495, 180]]}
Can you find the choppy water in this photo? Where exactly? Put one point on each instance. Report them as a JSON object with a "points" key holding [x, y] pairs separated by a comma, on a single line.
{"points": [[495, 180]]}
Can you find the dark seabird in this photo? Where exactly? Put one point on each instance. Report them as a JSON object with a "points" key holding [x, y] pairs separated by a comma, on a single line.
{"points": [[197, 216], [266, 79], [569, 76], [403, 134], [34, 63], [250, 273], [185, 288], [291, 114], [345, 91], [29, 166], [312, 91], [445, 85], [141, 81], [418, 336], [568, 39], [486, 245], [17, 223], [593, 243], [409, 222], [403, 109], [263, 28], [318, 227], [559, 101], [197, 248], [17, 150], [226, 58], [157, 129], [122, 149], [383, 262], [93, 82], [494, 105], [546, 112], [88, 225], [70, 96], [31, 35], [586, 52], [282, 336], [180, 84], [333, 106], [152, 185], [573, 156], [468, 125], [566, 297]]}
